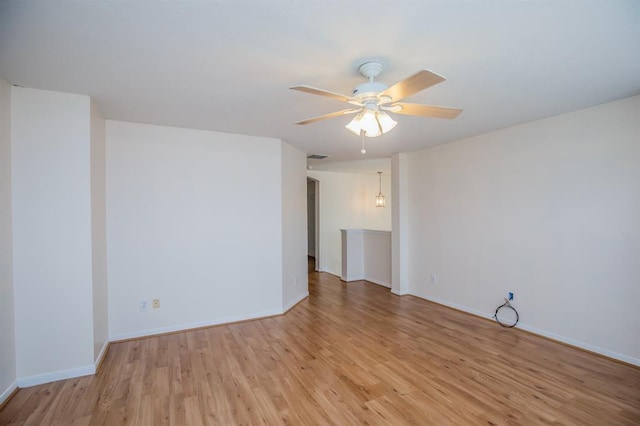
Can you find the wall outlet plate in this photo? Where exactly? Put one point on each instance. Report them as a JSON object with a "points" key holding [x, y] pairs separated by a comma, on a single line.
{"points": [[156, 303]]}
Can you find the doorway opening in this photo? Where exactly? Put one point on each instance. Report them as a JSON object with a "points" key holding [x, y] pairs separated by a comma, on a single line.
{"points": [[313, 221]]}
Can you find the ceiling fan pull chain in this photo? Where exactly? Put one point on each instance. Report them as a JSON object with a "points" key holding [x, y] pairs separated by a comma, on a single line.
{"points": [[364, 151]]}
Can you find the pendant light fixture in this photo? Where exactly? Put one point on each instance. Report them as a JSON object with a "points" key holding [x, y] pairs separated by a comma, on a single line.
{"points": [[380, 202]]}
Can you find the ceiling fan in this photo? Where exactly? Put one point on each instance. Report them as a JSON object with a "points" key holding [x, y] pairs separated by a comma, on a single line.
{"points": [[373, 100]]}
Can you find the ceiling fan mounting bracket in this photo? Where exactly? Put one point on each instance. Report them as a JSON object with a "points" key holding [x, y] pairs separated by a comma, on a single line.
{"points": [[370, 69]]}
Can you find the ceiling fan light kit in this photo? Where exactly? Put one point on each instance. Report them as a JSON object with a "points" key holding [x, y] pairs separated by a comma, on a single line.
{"points": [[372, 122], [374, 100]]}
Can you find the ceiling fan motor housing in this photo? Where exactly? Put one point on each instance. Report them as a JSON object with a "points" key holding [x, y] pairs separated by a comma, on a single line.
{"points": [[370, 88]]}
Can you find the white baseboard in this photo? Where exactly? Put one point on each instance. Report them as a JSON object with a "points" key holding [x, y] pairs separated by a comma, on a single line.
{"points": [[581, 345], [54, 376], [295, 302], [382, 283], [371, 280], [39, 379], [193, 325], [350, 279], [8, 392], [572, 342]]}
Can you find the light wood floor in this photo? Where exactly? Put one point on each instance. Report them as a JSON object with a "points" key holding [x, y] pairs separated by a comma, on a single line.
{"points": [[350, 354]]}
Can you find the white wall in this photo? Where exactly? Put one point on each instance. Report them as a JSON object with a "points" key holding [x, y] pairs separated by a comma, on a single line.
{"points": [[7, 324], [194, 218], [294, 226], [51, 234], [377, 257], [549, 210], [99, 233], [347, 201]]}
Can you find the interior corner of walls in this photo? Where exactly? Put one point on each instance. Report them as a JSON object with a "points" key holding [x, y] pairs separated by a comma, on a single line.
{"points": [[292, 304], [94, 108], [379, 282], [101, 354], [6, 394]]}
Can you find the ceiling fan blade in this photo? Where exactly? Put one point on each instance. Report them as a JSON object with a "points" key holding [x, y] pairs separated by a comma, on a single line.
{"points": [[417, 82], [424, 110], [330, 115], [321, 92]]}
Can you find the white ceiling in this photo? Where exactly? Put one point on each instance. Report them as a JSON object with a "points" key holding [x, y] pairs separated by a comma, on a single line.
{"points": [[227, 65]]}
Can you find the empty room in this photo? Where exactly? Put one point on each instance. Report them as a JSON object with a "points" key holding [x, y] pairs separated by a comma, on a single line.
{"points": [[218, 212]]}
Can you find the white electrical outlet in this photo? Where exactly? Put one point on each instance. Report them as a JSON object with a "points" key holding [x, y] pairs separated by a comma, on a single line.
{"points": [[144, 305], [156, 303], [434, 279]]}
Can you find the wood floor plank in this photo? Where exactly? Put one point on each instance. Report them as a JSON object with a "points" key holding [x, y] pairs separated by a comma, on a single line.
{"points": [[349, 354]]}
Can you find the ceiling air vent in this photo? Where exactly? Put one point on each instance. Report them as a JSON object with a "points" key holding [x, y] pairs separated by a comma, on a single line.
{"points": [[317, 156]]}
